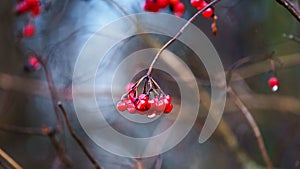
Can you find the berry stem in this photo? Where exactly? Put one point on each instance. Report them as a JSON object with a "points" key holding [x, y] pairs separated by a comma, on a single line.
{"points": [[178, 34]]}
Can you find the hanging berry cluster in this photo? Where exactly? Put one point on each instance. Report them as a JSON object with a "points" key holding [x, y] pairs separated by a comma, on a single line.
{"points": [[176, 6], [33, 7], [151, 101], [200, 4]]}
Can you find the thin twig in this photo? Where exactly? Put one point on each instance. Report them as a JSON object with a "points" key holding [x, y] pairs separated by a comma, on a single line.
{"points": [[179, 33], [253, 125], [290, 7], [11, 161], [292, 37], [26, 130], [76, 138]]}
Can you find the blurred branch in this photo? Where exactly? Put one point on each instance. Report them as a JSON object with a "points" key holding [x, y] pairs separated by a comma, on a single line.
{"points": [[139, 164], [11, 161], [26, 130], [292, 37], [290, 7], [3, 165], [254, 126], [76, 138]]}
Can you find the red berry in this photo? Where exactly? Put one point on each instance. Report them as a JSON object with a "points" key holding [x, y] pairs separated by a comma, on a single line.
{"points": [[273, 83], [168, 108], [143, 97], [162, 3], [178, 8], [142, 105], [152, 104], [196, 3], [168, 97], [151, 6], [34, 62], [160, 105], [173, 2], [131, 96], [208, 13], [29, 30], [121, 106], [21, 8], [36, 11], [32, 3], [131, 108]]}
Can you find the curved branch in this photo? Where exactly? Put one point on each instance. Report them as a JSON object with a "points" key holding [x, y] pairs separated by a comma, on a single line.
{"points": [[290, 7]]}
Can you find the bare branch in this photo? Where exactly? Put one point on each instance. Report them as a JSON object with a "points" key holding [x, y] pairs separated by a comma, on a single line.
{"points": [[290, 7], [76, 138], [10, 160], [253, 125]]}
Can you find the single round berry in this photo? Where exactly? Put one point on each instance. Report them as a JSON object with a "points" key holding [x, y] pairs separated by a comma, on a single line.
{"points": [[208, 13], [168, 108], [196, 3], [273, 83], [29, 30], [121, 106], [144, 97], [152, 104], [34, 63], [179, 8], [131, 108], [36, 11]]}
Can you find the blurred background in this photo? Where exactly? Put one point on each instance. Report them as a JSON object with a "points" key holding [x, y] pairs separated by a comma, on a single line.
{"points": [[253, 29]]}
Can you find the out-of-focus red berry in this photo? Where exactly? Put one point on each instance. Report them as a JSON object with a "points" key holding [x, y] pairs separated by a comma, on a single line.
{"points": [[29, 30], [121, 106]]}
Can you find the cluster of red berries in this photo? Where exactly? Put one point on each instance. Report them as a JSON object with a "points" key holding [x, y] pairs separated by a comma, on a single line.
{"points": [[200, 4], [32, 6], [176, 6], [32, 64], [273, 83], [153, 101]]}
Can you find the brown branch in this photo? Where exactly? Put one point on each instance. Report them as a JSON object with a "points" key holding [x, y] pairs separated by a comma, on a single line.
{"points": [[290, 7], [179, 33], [10, 160], [60, 149], [253, 125], [26, 130], [76, 138]]}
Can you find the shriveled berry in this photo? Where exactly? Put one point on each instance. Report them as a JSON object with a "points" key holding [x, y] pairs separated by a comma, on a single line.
{"points": [[29, 30]]}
